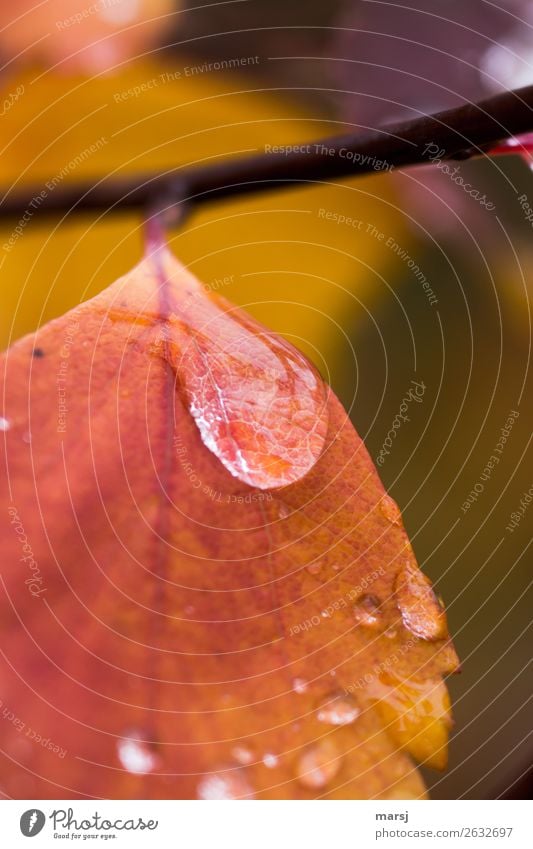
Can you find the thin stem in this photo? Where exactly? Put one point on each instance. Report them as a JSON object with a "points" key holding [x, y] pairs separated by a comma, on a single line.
{"points": [[458, 133]]}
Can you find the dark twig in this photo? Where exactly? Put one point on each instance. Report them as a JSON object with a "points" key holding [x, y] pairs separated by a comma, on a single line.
{"points": [[457, 133]]}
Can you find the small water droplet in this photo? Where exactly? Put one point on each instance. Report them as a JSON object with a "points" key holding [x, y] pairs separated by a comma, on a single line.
{"points": [[325, 614], [270, 761], [26, 437], [315, 568], [338, 710], [390, 510], [243, 755], [136, 756], [390, 633], [367, 612], [4, 423], [284, 511], [318, 765], [300, 686], [224, 786], [190, 610]]}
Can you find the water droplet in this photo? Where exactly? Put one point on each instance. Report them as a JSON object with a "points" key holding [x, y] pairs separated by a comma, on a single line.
{"points": [[300, 686], [318, 765], [422, 614], [190, 610], [225, 785], [4, 423], [367, 612], [136, 756], [338, 710], [26, 437], [270, 761], [284, 511], [390, 510], [325, 614], [315, 568], [243, 755]]}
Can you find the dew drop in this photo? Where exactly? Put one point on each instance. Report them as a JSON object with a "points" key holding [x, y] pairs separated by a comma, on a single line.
{"points": [[270, 761], [300, 686], [136, 756], [422, 613], [284, 511], [260, 406], [318, 765], [225, 785], [243, 755], [4, 423], [390, 510], [26, 437], [367, 612], [338, 710]]}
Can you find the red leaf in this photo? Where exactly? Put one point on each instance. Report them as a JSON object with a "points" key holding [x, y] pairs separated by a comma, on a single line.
{"points": [[170, 631]]}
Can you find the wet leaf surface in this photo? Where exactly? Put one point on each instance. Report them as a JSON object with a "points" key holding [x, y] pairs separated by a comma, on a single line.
{"points": [[168, 630]]}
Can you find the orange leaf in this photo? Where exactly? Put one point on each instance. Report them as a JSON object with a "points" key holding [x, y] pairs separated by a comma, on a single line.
{"points": [[176, 624]]}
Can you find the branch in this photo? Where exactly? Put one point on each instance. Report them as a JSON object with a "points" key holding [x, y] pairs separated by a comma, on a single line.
{"points": [[458, 133]]}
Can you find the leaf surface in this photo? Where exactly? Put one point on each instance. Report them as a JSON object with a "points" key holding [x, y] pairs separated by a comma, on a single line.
{"points": [[168, 629]]}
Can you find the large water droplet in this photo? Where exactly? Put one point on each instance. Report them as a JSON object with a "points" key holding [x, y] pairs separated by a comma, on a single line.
{"points": [[4, 423], [225, 785], [390, 510], [422, 613], [259, 404], [367, 612], [339, 709], [318, 765], [136, 756]]}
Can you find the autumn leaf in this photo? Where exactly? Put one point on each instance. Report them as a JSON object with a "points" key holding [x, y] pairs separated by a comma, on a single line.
{"points": [[206, 592]]}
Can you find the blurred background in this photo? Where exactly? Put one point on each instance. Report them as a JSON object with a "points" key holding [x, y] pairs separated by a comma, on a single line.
{"points": [[126, 86]]}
